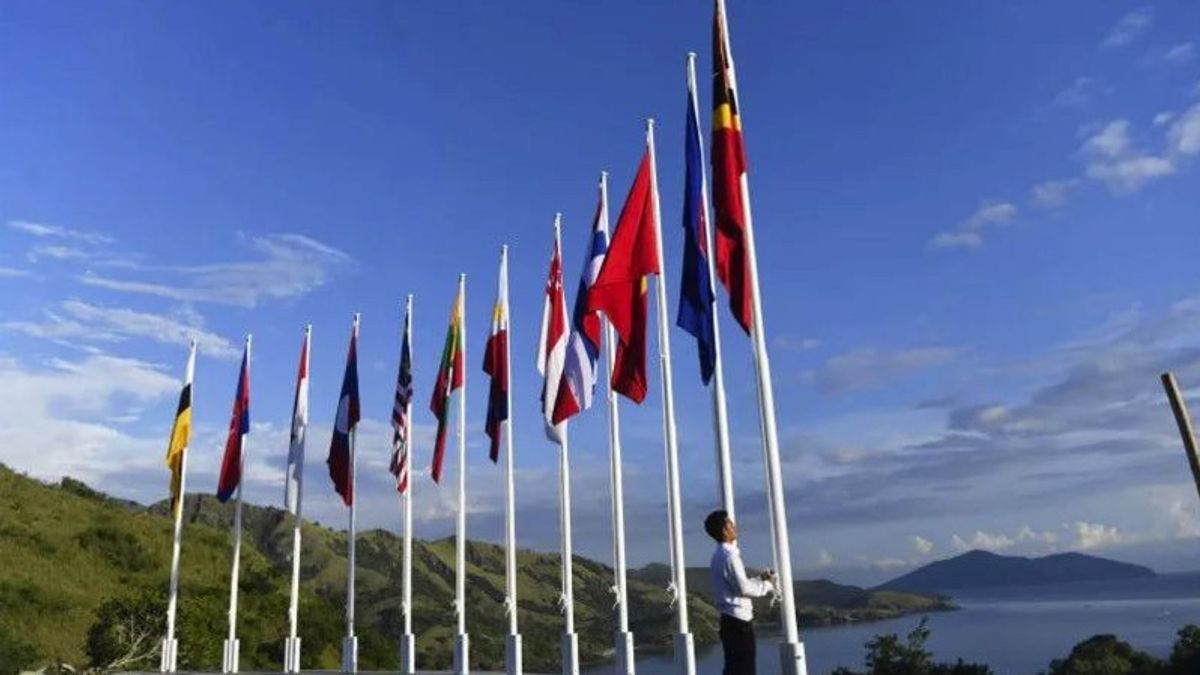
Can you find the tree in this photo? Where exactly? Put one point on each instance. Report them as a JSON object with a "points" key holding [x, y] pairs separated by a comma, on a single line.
{"points": [[1106, 655], [887, 655], [1185, 657], [126, 633], [15, 655]]}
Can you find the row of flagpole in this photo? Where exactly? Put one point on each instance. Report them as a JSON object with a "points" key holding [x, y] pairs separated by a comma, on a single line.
{"points": [[568, 352]]}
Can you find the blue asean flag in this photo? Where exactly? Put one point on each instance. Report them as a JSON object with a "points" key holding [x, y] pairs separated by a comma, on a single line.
{"points": [[239, 426], [696, 292]]}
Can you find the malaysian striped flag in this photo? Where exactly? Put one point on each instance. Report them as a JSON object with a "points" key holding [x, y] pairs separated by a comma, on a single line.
{"points": [[401, 426]]}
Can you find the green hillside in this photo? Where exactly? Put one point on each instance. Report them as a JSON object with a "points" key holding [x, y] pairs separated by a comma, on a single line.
{"points": [[76, 561]]}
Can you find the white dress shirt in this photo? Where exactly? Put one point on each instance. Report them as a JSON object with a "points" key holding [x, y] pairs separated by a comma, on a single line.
{"points": [[732, 589]]}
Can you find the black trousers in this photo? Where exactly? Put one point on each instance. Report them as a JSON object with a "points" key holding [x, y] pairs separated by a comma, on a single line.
{"points": [[737, 637]]}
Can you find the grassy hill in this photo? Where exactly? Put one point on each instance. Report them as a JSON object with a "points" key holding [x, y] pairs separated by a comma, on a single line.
{"points": [[72, 555]]}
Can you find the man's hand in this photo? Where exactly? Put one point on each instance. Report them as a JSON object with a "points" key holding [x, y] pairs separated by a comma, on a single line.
{"points": [[767, 575]]}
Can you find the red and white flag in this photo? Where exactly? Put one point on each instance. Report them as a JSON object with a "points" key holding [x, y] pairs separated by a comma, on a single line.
{"points": [[401, 431], [552, 344]]}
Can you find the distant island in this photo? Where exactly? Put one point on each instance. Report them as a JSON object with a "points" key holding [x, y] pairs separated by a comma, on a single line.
{"points": [[981, 569]]}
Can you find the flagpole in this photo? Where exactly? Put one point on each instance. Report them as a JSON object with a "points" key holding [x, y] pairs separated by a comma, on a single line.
{"points": [[291, 647], [408, 642], [624, 639], [792, 656], [350, 644], [170, 646], [720, 411], [462, 661], [513, 660], [685, 657], [231, 643]]}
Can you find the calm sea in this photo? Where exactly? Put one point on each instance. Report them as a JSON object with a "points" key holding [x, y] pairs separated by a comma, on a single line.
{"points": [[1015, 631]]}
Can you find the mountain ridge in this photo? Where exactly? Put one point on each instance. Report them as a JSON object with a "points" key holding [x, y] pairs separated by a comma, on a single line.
{"points": [[979, 569]]}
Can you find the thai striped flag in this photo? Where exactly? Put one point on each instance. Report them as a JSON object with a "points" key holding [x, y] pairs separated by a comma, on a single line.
{"points": [[578, 383]]}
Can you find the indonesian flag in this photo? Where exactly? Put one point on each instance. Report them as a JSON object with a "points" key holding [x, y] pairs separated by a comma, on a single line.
{"points": [[729, 173], [552, 343], [495, 364], [239, 426], [578, 384], [401, 426], [295, 465], [341, 456], [621, 287], [449, 379]]}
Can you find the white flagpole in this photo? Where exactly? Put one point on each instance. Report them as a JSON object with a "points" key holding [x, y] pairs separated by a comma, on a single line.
{"points": [[570, 641], [792, 657], [231, 643], [685, 657], [350, 644], [624, 639], [291, 648], [462, 661], [513, 660], [720, 411], [408, 642], [170, 645]]}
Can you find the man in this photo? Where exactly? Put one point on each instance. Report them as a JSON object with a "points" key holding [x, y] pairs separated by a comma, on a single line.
{"points": [[732, 591]]}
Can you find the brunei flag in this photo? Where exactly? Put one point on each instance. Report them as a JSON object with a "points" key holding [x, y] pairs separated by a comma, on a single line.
{"points": [[341, 452], [449, 379], [621, 286], [239, 425], [181, 432], [495, 364], [728, 179]]}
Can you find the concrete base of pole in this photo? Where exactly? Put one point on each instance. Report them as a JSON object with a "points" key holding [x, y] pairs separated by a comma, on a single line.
{"points": [[570, 654], [624, 653], [350, 654], [291, 655], [167, 663], [229, 662], [408, 654], [791, 658], [512, 654], [462, 654], [685, 654]]}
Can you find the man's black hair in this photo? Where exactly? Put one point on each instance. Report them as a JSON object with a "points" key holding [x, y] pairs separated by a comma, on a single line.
{"points": [[714, 524]]}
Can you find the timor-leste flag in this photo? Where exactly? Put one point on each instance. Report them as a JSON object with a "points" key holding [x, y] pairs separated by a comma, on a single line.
{"points": [[449, 380], [239, 425], [729, 170], [181, 432], [621, 286], [341, 455], [495, 364]]}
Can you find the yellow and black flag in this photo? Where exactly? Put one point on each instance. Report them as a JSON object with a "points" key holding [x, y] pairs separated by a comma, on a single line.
{"points": [[181, 432]]}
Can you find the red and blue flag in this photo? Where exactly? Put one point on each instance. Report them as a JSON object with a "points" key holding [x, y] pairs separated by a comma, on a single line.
{"points": [[696, 315], [341, 458], [578, 383], [239, 426]]}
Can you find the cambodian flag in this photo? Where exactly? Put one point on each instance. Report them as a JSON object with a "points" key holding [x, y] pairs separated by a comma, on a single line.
{"points": [[341, 456], [239, 426], [578, 383], [696, 295]]}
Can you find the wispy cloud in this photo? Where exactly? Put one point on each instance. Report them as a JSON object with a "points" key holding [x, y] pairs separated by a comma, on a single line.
{"points": [[1111, 158], [12, 273], [58, 232], [1080, 92], [867, 368], [969, 233], [1183, 136], [287, 266], [1052, 194], [1180, 53], [1129, 28]]}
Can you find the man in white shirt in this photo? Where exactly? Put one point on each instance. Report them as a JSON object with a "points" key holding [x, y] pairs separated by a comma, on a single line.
{"points": [[732, 591]]}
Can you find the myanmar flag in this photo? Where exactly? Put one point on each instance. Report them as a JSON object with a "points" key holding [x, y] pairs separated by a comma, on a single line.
{"points": [[181, 433], [449, 379]]}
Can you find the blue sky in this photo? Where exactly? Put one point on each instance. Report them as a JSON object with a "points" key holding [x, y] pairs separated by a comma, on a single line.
{"points": [[977, 229]]}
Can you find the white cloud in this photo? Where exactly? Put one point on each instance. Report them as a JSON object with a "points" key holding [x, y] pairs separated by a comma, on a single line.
{"points": [[56, 231], [991, 214], [824, 558], [1112, 159], [1129, 28], [288, 265], [56, 252], [968, 234], [1079, 93], [12, 273], [890, 564], [794, 344], [921, 545], [87, 322], [1182, 513], [1184, 135], [1112, 141], [1163, 118], [867, 368], [1180, 53], [985, 541], [1051, 194], [1095, 535], [951, 239], [1027, 535]]}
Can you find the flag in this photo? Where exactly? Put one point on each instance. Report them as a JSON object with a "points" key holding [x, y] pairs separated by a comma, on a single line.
{"points": [[621, 286], [181, 432], [348, 412], [696, 292], [449, 379], [495, 364], [729, 169], [295, 465], [583, 348], [552, 342], [400, 423], [239, 426]]}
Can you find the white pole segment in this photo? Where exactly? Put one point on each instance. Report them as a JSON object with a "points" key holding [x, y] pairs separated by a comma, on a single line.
{"points": [[791, 653], [170, 646], [291, 647], [720, 412], [461, 644], [350, 643], [685, 657], [231, 643], [512, 650], [408, 644], [570, 641], [624, 639]]}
